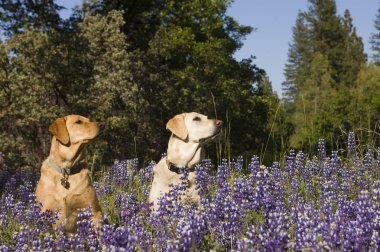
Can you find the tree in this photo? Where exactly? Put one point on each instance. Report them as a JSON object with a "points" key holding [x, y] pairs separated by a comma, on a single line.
{"points": [[39, 14], [29, 63], [366, 106], [172, 57], [375, 39], [194, 42], [119, 85], [299, 56], [324, 60]]}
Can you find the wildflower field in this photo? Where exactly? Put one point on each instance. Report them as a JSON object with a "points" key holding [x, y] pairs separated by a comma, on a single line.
{"points": [[322, 203]]}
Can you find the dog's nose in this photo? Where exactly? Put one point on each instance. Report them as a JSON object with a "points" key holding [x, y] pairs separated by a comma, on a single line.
{"points": [[101, 125], [219, 123]]}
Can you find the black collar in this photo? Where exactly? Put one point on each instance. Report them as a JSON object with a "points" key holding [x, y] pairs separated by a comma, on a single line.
{"points": [[173, 167]]}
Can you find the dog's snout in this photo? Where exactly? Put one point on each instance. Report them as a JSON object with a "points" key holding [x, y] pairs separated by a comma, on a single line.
{"points": [[101, 125], [219, 123]]}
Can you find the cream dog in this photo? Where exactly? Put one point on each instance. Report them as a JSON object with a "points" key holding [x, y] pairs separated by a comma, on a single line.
{"points": [[65, 185], [190, 133]]}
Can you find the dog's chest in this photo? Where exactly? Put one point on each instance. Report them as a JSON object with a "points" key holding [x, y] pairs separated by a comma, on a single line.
{"points": [[75, 184], [163, 176]]}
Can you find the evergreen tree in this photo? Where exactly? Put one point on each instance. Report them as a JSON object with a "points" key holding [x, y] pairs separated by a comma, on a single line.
{"points": [[299, 55], [375, 39], [324, 60], [353, 55]]}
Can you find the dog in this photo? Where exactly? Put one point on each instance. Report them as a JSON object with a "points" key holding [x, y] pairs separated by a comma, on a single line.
{"points": [[65, 185], [190, 133]]}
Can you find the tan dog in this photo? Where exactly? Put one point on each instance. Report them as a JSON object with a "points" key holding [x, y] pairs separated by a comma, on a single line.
{"points": [[65, 184], [190, 133]]}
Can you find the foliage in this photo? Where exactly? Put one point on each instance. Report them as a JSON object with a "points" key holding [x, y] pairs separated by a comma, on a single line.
{"points": [[40, 15], [320, 203], [375, 39], [324, 61], [132, 66], [366, 103], [29, 90]]}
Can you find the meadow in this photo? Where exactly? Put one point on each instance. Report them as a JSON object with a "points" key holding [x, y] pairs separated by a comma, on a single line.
{"points": [[329, 202]]}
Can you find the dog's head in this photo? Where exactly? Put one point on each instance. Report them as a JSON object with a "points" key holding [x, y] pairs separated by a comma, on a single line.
{"points": [[194, 127], [75, 129]]}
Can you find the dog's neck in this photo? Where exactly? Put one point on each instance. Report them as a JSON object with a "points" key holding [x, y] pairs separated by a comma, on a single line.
{"points": [[184, 153], [66, 156]]}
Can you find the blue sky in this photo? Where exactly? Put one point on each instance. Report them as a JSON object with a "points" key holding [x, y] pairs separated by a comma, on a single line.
{"points": [[273, 20]]}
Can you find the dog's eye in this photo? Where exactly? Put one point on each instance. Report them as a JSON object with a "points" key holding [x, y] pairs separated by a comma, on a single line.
{"points": [[196, 118], [78, 122]]}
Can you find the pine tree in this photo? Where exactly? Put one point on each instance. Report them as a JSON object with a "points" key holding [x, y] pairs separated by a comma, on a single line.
{"points": [[324, 60], [375, 40], [298, 60], [353, 56]]}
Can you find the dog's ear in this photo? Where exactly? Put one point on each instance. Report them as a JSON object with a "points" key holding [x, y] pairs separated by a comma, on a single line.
{"points": [[59, 130], [177, 126]]}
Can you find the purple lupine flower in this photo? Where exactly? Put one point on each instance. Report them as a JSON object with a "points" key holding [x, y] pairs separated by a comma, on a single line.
{"points": [[332, 233], [128, 206], [191, 229], [364, 221], [26, 240], [9, 201], [321, 150], [375, 238], [368, 159], [360, 174], [368, 169], [328, 199], [345, 183], [305, 221], [146, 174], [346, 208], [238, 164], [202, 179], [225, 217], [259, 191], [299, 161], [242, 192], [121, 172], [254, 165], [250, 241], [294, 197], [289, 164], [351, 145], [331, 167], [86, 231], [238, 212], [277, 184], [107, 185], [24, 190], [223, 173], [307, 177], [274, 235]]}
